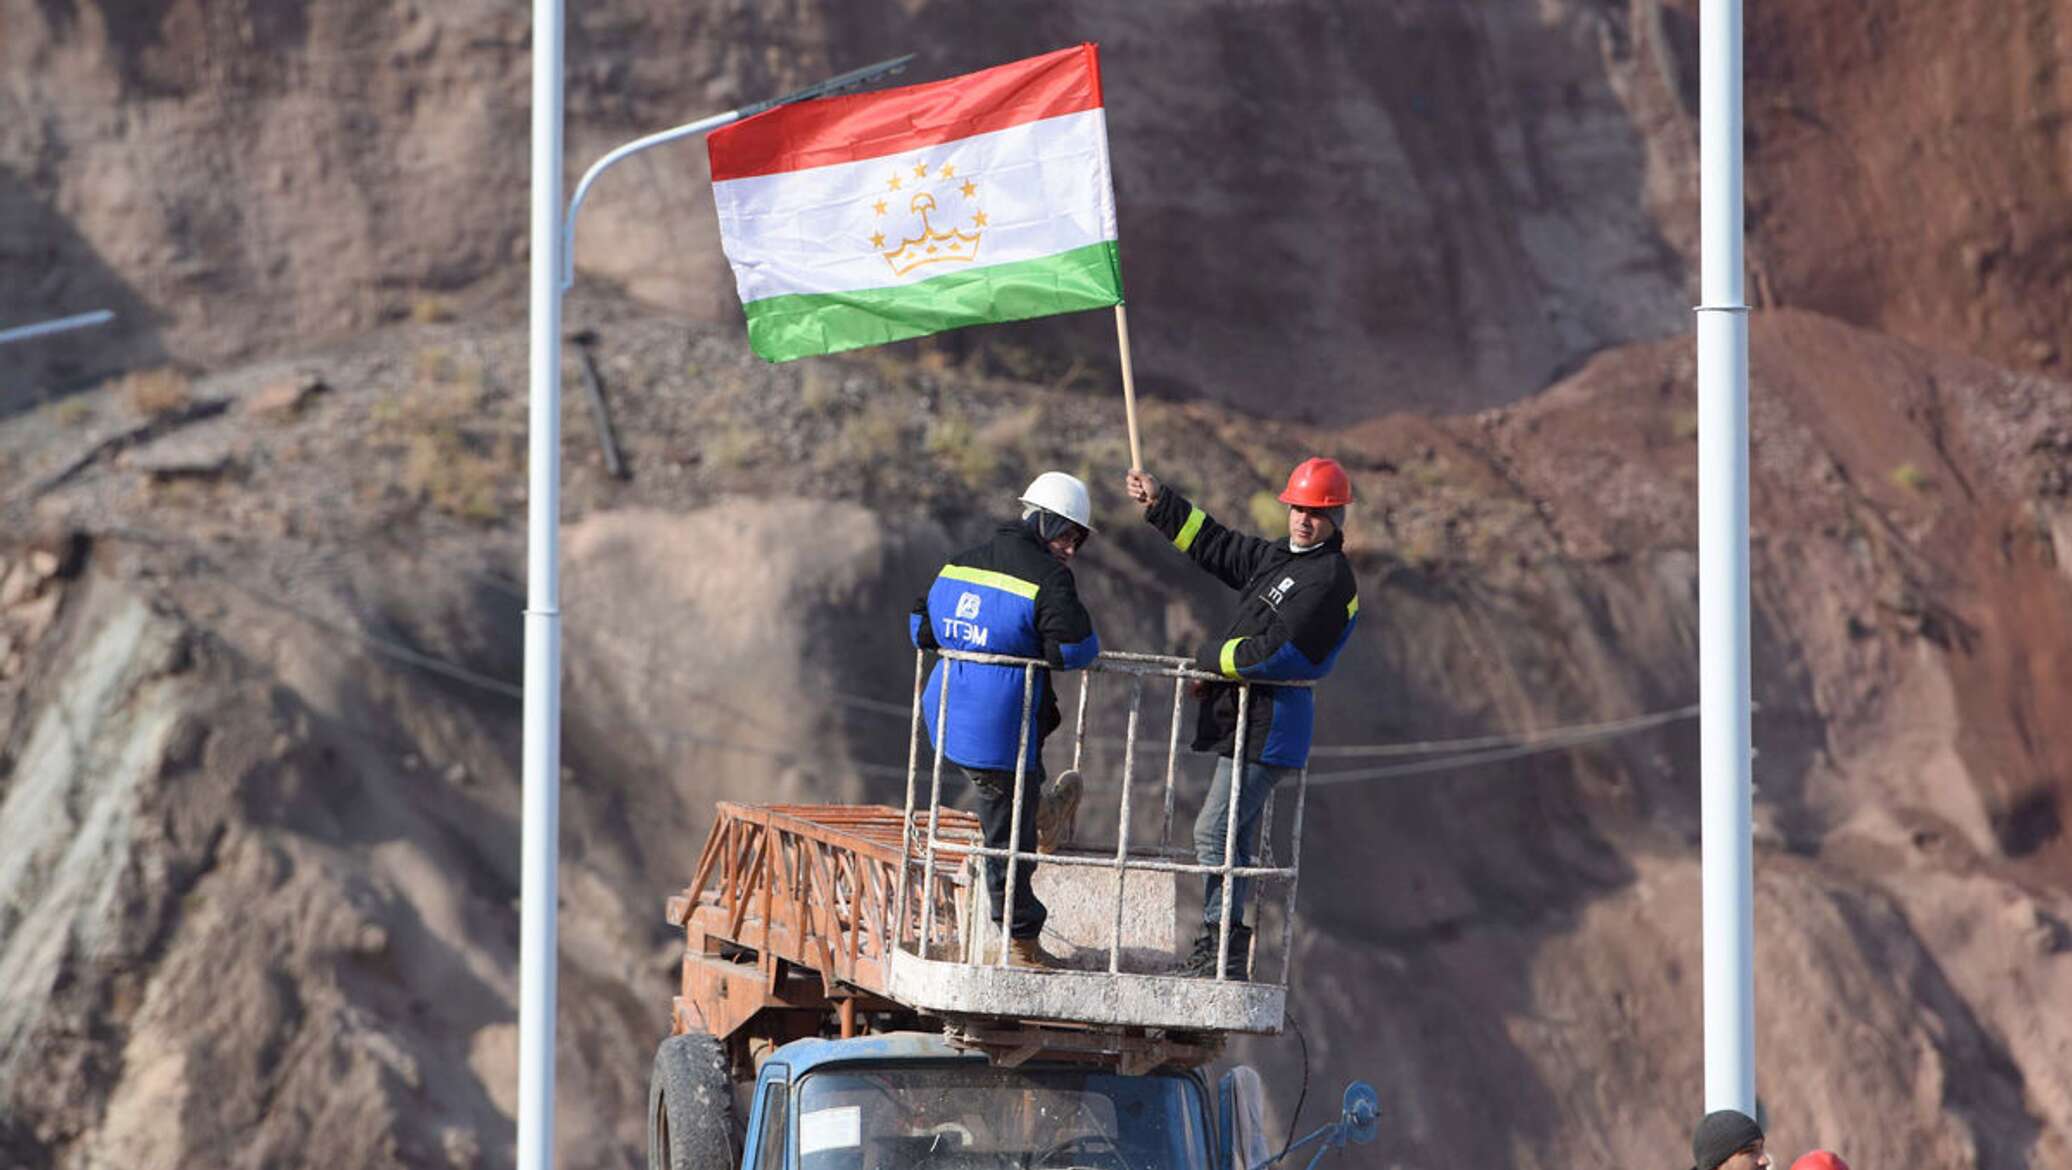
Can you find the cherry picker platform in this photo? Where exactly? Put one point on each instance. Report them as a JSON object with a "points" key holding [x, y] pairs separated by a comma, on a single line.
{"points": [[809, 920], [845, 1002]]}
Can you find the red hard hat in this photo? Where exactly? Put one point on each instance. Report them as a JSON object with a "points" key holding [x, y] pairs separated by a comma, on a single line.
{"points": [[1318, 483], [1820, 1160]]}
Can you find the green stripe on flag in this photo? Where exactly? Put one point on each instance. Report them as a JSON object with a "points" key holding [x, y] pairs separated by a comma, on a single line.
{"points": [[801, 325]]}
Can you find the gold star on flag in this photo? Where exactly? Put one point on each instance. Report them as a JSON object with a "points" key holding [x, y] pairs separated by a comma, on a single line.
{"points": [[978, 220], [879, 207], [877, 239], [893, 182], [948, 170], [920, 170], [969, 188]]}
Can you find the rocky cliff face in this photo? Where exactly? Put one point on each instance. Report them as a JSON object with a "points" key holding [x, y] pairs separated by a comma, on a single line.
{"points": [[1331, 209], [1908, 171], [258, 746], [1423, 205], [1908, 813], [263, 899]]}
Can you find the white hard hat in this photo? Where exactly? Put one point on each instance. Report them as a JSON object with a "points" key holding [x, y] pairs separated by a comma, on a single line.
{"points": [[1061, 495]]}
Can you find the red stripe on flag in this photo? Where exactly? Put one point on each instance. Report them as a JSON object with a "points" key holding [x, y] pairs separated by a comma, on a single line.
{"points": [[867, 125]]}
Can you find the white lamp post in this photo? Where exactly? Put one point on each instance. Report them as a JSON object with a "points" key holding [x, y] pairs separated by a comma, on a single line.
{"points": [[553, 270]]}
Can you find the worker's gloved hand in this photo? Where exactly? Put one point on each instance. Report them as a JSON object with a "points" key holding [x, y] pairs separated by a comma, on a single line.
{"points": [[1198, 689], [1141, 487]]}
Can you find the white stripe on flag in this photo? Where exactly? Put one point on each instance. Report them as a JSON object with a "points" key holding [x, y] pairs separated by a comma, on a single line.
{"points": [[1043, 187]]}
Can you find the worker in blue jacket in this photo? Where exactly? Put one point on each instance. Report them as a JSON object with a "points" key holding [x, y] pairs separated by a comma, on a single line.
{"points": [[1299, 603], [1012, 595]]}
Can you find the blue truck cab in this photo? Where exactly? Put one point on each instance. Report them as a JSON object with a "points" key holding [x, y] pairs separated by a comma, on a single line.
{"points": [[910, 1101]]}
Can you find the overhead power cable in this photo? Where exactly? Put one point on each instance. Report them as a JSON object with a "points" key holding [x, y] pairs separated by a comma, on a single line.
{"points": [[1501, 747], [1550, 738], [1558, 739], [496, 686], [1478, 750]]}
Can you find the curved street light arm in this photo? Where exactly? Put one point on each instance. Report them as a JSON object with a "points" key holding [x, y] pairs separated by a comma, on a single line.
{"points": [[832, 85]]}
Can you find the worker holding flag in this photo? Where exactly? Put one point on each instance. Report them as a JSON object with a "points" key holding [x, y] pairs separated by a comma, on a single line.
{"points": [[870, 218], [1299, 604]]}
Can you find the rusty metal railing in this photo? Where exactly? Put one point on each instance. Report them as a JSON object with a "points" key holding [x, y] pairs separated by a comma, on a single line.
{"points": [[919, 848]]}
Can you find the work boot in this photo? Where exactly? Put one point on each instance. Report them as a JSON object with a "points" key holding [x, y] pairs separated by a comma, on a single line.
{"points": [[1028, 953], [1056, 812], [1201, 964]]}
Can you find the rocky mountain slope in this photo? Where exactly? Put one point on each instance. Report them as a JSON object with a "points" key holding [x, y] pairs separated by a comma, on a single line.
{"points": [[1366, 207], [1405, 206], [259, 610], [261, 744]]}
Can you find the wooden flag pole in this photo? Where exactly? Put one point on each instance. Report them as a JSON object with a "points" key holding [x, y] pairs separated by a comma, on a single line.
{"points": [[1129, 386]]}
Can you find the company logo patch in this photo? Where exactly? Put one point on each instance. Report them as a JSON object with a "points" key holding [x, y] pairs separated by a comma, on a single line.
{"points": [[967, 606], [1279, 593]]}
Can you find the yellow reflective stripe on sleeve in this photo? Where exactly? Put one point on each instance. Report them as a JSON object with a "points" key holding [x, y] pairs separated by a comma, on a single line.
{"points": [[1014, 585], [1228, 659], [1191, 529], [1352, 607]]}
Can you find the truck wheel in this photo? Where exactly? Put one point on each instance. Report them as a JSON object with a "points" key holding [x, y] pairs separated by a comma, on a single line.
{"points": [[691, 1116]]}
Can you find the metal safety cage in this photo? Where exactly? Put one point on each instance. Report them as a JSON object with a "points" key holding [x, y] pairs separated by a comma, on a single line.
{"points": [[924, 840]]}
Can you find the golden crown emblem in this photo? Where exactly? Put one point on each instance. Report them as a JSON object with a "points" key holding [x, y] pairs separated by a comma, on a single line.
{"points": [[951, 245]]}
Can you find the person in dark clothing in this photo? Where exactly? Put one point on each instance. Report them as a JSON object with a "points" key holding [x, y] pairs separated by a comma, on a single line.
{"points": [[1012, 595], [1728, 1139], [1299, 605]]}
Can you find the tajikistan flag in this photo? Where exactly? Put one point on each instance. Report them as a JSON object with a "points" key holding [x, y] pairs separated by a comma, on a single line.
{"points": [[868, 218]]}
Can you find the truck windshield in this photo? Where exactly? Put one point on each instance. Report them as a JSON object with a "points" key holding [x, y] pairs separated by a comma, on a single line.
{"points": [[977, 1117]]}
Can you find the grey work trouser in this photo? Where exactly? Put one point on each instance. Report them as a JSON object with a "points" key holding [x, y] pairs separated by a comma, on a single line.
{"points": [[1211, 827]]}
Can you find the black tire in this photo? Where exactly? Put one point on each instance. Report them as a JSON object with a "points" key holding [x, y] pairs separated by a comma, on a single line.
{"points": [[692, 1123]]}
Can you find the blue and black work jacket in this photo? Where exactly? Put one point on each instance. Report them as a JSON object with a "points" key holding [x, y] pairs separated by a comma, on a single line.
{"points": [[1297, 614], [1006, 596]]}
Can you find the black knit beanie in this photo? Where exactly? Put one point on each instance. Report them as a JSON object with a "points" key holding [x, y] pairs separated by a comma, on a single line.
{"points": [[1722, 1134]]}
